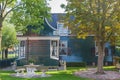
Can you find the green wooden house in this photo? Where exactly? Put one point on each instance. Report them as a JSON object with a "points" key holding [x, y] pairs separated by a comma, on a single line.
{"points": [[55, 43]]}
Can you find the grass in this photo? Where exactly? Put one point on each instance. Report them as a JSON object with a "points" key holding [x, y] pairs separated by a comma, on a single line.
{"points": [[9, 56], [110, 68], [56, 75]]}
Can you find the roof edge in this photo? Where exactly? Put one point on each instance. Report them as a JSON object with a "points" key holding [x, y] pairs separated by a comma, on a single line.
{"points": [[49, 24]]}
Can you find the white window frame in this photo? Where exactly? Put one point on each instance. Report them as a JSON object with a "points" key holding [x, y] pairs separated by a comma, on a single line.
{"points": [[96, 49], [54, 47], [62, 31], [21, 50]]}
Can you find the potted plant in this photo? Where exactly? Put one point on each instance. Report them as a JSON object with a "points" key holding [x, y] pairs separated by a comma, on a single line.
{"points": [[31, 61]]}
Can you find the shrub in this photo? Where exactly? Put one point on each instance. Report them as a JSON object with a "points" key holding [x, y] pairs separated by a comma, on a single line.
{"points": [[76, 64]]}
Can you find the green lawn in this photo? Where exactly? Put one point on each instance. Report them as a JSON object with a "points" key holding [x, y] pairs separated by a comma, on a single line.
{"points": [[9, 56], [56, 75], [110, 68]]}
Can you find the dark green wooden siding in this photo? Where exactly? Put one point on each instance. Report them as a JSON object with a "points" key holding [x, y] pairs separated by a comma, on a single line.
{"points": [[40, 51], [82, 48]]}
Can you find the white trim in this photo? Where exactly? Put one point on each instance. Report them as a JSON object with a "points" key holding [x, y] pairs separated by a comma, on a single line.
{"points": [[49, 24], [53, 57], [59, 23], [57, 52], [20, 58], [96, 49], [39, 38]]}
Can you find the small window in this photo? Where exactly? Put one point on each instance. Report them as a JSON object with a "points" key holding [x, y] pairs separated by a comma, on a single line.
{"points": [[62, 30], [22, 43], [64, 50], [93, 51], [106, 51], [96, 49], [54, 49], [21, 49]]}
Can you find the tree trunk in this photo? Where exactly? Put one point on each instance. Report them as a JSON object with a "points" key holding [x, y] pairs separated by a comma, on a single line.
{"points": [[0, 36], [3, 54], [101, 54], [0, 33], [6, 53]]}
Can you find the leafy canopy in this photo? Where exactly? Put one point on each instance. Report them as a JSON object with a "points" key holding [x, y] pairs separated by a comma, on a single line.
{"points": [[9, 38], [24, 12], [100, 18]]}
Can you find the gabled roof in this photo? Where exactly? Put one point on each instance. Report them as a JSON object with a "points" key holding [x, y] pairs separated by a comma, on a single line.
{"points": [[55, 17]]}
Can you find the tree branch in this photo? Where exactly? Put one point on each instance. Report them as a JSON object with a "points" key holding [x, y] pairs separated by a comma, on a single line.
{"points": [[10, 10], [5, 4], [9, 2], [91, 7], [0, 10], [107, 38]]}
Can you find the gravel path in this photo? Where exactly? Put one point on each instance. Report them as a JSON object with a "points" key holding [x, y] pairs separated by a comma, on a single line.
{"points": [[90, 73]]}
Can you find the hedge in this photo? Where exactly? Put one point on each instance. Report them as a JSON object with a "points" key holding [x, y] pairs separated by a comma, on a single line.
{"points": [[76, 64], [6, 62]]}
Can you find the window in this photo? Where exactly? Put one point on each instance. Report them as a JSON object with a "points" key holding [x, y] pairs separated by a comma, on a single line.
{"points": [[20, 49], [106, 51], [54, 49], [64, 48], [94, 50], [61, 30]]}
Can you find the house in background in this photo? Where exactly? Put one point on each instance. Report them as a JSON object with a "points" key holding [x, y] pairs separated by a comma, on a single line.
{"points": [[55, 44]]}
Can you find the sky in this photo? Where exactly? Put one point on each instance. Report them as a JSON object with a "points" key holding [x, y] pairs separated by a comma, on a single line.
{"points": [[55, 6]]}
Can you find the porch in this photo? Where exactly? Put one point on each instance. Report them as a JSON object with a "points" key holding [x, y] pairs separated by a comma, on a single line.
{"points": [[43, 49]]}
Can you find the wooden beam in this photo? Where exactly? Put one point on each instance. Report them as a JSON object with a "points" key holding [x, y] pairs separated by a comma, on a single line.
{"points": [[39, 38]]}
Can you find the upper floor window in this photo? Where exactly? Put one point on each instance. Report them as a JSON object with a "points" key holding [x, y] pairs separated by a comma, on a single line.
{"points": [[61, 29]]}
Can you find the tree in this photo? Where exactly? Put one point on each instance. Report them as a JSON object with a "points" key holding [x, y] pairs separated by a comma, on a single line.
{"points": [[100, 18], [9, 39], [22, 13]]}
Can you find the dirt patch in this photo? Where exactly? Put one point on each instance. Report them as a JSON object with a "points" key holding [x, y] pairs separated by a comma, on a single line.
{"points": [[90, 73]]}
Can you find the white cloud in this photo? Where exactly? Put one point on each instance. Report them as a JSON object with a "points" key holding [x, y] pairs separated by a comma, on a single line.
{"points": [[55, 6]]}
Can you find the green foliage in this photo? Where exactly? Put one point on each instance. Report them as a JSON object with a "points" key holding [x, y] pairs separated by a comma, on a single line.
{"points": [[30, 12], [9, 38], [117, 42], [31, 60], [91, 17], [56, 75], [24, 12], [99, 18]]}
